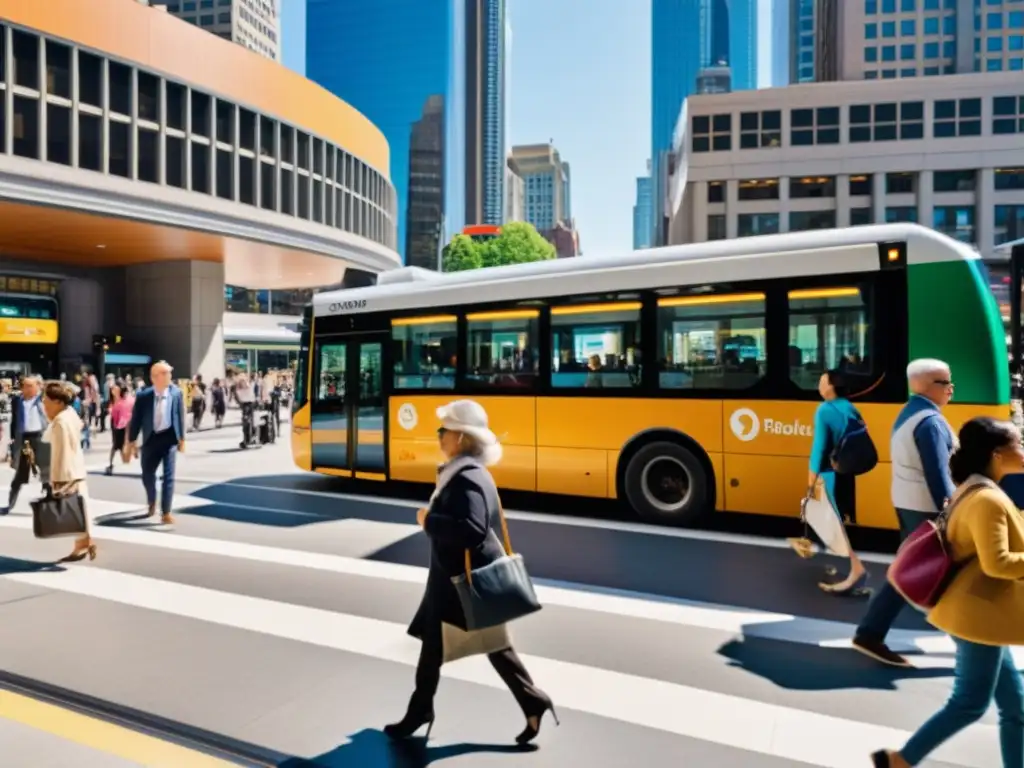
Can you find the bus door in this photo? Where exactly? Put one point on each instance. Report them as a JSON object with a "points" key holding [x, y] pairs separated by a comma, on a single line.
{"points": [[1016, 285], [348, 408]]}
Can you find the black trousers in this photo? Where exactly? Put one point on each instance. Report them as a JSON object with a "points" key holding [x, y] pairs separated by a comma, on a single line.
{"points": [[24, 470], [506, 663]]}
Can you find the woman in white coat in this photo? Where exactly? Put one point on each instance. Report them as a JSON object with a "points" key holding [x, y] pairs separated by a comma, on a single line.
{"points": [[67, 460]]}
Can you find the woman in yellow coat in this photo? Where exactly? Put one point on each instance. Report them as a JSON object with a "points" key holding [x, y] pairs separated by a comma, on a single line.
{"points": [[983, 607]]}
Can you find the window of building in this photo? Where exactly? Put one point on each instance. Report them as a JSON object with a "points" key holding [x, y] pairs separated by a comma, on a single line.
{"points": [[175, 158], [758, 189], [900, 183], [801, 221], [711, 342], [424, 350], [596, 345], [711, 133], [814, 126], [119, 155], [26, 127], [1009, 220], [148, 159], [1009, 178], [760, 129], [287, 191], [246, 180], [268, 189], [751, 224], [829, 328], [900, 214], [268, 137], [200, 154], [318, 156], [1008, 114], [225, 174], [225, 130], [58, 69], [303, 196], [911, 120], [90, 142], [175, 93], [954, 181], [90, 79], [716, 191], [25, 49], [908, 28], [957, 221], [957, 118], [148, 97], [860, 217], [247, 130], [716, 226], [502, 348], [201, 109], [860, 184], [287, 144], [58, 134], [812, 186], [302, 150]]}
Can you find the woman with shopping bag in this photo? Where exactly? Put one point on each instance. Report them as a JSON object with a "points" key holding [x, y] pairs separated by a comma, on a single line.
{"points": [[458, 522], [64, 512]]}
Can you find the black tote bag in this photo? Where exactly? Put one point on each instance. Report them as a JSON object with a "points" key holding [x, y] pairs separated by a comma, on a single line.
{"points": [[499, 592], [57, 516]]}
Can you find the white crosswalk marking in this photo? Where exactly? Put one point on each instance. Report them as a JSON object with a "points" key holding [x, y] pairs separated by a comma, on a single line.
{"points": [[760, 727]]}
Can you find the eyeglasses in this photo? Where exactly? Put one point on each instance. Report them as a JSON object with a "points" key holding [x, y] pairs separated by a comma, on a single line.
{"points": [[441, 432], [943, 382]]}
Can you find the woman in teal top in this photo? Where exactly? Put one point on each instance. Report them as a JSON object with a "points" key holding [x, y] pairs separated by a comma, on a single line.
{"points": [[830, 424]]}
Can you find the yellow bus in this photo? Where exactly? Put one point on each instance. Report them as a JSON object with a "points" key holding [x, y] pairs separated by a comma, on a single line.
{"points": [[681, 380]]}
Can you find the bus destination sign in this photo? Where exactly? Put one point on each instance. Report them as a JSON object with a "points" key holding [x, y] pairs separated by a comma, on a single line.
{"points": [[16, 284]]}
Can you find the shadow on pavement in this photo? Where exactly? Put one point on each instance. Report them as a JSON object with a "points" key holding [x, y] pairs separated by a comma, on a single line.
{"points": [[9, 565], [800, 667], [370, 748]]}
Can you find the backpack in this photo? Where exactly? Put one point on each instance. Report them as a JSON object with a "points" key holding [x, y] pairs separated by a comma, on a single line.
{"points": [[854, 452]]}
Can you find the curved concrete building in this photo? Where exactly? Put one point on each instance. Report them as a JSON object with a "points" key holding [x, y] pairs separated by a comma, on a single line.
{"points": [[145, 164]]}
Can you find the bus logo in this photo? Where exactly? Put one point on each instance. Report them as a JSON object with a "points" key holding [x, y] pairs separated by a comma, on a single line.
{"points": [[344, 306], [407, 417], [744, 424]]}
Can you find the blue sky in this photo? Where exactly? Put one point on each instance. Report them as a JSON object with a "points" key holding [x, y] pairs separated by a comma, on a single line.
{"points": [[581, 77]]}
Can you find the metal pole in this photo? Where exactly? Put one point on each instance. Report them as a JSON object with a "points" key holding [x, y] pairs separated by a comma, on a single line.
{"points": [[440, 244], [1016, 265]]}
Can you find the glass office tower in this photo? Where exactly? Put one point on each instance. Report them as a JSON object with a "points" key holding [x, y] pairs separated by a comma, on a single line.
{"points": [[402, 64]]}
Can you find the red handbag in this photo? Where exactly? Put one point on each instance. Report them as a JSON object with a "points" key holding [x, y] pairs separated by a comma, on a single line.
{"points": [[924, 565]]}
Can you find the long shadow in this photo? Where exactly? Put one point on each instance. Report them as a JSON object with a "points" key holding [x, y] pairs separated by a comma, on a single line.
{"points": [[370, 748], [800, 667], [9, 565]]}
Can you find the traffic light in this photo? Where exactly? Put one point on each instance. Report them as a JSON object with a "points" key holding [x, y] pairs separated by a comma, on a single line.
{"points": [[99, 342]]}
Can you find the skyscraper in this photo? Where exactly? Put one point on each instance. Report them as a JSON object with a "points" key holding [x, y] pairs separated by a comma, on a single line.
{"points": [[402, 63], [642, 211], [487, 38], [547, 183], [255, 25], [744, 37]]}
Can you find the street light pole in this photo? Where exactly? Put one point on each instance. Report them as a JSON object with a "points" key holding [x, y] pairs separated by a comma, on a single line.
{"points": [[440, 244]]}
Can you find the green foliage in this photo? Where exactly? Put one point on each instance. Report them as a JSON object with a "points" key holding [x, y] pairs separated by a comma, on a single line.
{"points": [[518, 243]]}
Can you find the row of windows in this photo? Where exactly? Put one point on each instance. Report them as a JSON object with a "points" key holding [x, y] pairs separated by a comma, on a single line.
{"points": [[862, 184], [871, 7], [160, 131], [887, 121], [932, 25], [704, 342]]}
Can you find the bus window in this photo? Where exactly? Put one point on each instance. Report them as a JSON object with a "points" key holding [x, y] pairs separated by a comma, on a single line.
{"points": [[425, 350], [332, 372], [28, 307], [596, 345], [828, 328], [503, 348], [712, 341]]}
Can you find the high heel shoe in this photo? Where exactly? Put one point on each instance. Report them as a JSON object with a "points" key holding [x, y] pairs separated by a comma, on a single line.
{"points": [[857, 589], [80, 554], [530, 732], [408, 725], [882, 759]]}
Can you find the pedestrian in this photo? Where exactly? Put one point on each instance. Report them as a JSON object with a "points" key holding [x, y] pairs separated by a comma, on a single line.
{"points": [[458, 523], [198, 402], [28, 451], [982, 609], [159, 416], [922, 442], [67, 460], [121, 403], [219, 404]]}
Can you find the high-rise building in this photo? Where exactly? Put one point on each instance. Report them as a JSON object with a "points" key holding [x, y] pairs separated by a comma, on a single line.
{"points": [[255, 24], [402, 63], [688, 36], [547, 183], [487, 36], [642, 211], [515, 192], [802, 36], [773, 44]]}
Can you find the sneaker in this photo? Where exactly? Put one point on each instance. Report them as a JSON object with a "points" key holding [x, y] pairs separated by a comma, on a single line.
{"points": [[879, 651]]}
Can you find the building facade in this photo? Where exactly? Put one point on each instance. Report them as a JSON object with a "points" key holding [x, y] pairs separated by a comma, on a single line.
{"points": [[253, 24], [642, 211], [487, 77], [515, 192], [547, 185], [141, 180], [944, 152], [395, 61]]}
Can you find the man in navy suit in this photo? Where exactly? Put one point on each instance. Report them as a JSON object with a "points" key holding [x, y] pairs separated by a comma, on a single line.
{"points": [[159, 415], [28, 423]]}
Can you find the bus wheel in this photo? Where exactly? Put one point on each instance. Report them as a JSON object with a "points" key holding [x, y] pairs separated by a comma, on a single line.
{"points": [[666, 484]]}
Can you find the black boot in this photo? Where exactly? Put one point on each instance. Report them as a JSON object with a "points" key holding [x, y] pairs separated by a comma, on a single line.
{"points": [[415, 718], [530, 732]]}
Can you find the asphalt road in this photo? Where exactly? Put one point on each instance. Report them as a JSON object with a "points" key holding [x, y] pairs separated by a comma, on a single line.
{"points": [[273, 613]]}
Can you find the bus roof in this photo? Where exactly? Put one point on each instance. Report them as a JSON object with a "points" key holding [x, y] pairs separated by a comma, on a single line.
{"points": [[854, 249]]}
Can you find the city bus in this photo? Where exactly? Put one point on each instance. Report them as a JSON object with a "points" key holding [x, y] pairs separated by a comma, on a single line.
{"points": [[682, 381], [29, 328]]}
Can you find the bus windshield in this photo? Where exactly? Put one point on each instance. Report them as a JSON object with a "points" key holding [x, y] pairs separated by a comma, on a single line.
{"points": [[32, 307]]}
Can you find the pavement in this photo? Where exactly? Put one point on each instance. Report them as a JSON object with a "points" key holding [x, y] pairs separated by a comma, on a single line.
{"points": [[271, 618]]}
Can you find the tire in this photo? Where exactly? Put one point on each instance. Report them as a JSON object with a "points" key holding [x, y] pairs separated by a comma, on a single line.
{"points": [[669, 462]]}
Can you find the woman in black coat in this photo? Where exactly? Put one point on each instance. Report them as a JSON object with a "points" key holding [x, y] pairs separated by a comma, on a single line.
{"points": [[458, 518]]}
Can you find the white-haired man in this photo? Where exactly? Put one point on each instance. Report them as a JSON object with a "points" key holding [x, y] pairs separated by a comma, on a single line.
{"points": [[922, 442], [28, 423]]}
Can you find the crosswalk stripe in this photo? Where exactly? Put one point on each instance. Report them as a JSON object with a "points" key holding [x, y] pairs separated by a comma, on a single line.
{"points": [[739, 621], [759, 727]]}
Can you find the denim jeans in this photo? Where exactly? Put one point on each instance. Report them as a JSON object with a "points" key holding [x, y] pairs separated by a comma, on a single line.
{"points": [[983, 672], [887, 603]]}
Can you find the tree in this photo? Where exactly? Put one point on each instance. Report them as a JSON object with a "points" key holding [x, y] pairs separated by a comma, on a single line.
{"points": [[461, 254], [518, 243]]}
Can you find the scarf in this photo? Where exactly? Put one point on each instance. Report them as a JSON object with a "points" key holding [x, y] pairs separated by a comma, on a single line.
{"points": [[449, 470]]}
